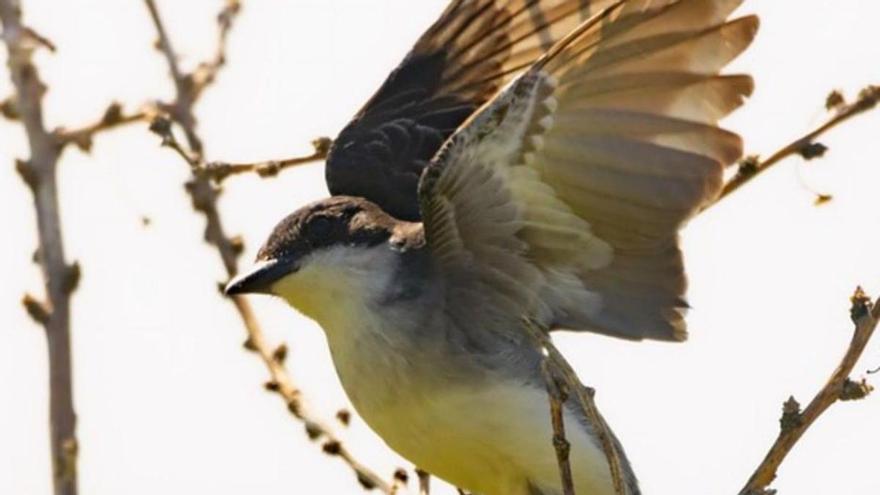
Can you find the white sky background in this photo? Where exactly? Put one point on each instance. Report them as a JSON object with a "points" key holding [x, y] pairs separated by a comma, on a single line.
{"points": [[169, 402]]}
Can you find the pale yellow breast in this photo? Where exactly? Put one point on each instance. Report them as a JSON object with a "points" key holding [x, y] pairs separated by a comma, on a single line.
{"points": [[490, 440]]}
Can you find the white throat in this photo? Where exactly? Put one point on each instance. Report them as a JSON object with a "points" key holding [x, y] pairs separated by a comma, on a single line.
{"points": [[334, 286], [341, 288]]}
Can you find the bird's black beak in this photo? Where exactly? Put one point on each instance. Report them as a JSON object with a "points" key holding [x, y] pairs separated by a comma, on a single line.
{"points": [[259, 279]]}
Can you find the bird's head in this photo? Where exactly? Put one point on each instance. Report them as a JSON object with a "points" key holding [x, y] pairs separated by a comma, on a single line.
{"points": [[328, 253]]}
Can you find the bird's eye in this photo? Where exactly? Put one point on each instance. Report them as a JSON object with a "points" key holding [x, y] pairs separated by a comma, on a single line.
{"points": [[320, 228]]}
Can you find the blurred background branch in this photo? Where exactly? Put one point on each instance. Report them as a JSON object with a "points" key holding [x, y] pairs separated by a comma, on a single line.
{"points": [[806, 146], [59, 278], [113, 116], [219, 171], [204, 195]]}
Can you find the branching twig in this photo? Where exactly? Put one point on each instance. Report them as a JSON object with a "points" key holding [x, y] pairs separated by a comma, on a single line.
{"points": [[181, 110], [204, 195], [806, 145], [558, 368], [190, 86], [217, 172], [794, 423], [60, 279]]}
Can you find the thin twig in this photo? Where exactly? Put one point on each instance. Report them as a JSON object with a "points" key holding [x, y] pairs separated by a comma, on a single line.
{"points": [[112, 117], [162, 126], [181, 109], [59, 278], [794, 423], [204, 194], [206, 72], [806, 145], [219, 171], [557, 393], [559, 368]]}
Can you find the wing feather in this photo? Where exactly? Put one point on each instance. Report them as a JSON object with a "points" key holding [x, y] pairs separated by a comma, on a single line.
{"points": [[708, 98], [635, 171], [702, 51], [572, 184], [718, 144], [473, 50]]}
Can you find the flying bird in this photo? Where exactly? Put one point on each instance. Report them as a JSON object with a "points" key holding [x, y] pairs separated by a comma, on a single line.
{"points": [[527, 159]]}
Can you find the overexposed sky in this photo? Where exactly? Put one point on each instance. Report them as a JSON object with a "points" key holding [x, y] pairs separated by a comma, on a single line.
{"points": [[170, 403]]}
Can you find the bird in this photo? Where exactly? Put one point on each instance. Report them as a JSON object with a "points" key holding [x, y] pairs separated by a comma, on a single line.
{"points": [[528, 159]]}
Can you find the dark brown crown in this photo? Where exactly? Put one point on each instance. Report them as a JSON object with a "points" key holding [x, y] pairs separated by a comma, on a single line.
{"points": [[339, 220]]}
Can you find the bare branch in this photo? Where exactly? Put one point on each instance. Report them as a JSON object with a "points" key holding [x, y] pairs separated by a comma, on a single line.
{"points": [[60, 278], [206, 72], [112, 118], [204, 195], [794, 423], [806, 146], [557, 393], [219, 171], [561, 372], [181, 110], [81, 137]]}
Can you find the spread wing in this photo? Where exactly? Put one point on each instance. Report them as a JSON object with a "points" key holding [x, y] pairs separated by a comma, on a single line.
{"points": [[462, 61], [561, 200]]}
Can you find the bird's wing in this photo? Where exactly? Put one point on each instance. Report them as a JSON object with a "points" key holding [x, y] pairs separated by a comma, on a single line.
{"points": [[562, 198], [462, 61]]}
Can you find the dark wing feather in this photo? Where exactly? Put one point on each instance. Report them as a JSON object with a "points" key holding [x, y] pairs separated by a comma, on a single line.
{"points": [[462, 61]]}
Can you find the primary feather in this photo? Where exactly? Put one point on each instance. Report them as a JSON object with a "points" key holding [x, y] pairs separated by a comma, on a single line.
{"points": [[565, 194]]}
